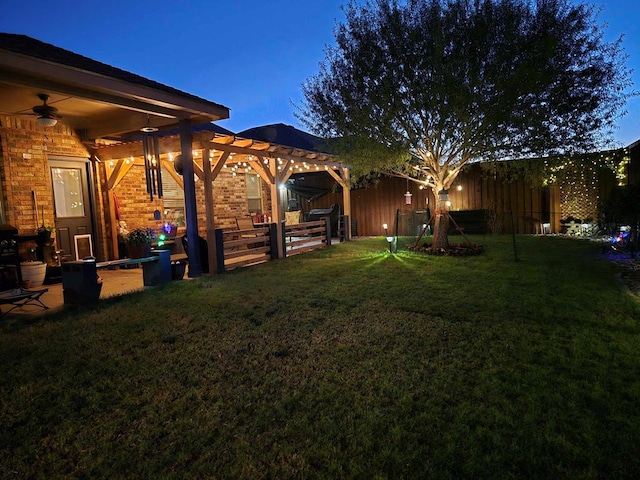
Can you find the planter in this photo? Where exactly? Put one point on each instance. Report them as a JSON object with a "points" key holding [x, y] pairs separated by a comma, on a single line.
{"points": [[137, 250], [33, 272], [43, 239]]}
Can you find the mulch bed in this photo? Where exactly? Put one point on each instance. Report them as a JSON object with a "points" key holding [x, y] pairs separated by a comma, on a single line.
{"points": [[454, 250]]}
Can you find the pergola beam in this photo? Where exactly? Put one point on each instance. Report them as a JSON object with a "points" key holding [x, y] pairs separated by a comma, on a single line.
{"points": [[118, 173]]}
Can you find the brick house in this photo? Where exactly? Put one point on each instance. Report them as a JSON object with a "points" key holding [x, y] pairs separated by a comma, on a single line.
{"points": [[72, 154]]}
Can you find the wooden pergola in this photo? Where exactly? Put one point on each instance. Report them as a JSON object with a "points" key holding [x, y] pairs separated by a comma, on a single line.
{"points": [[205, 154]]}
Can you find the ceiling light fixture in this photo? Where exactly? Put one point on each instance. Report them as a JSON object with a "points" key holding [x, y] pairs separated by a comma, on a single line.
{"points": [[46, 121], [47, 115]]}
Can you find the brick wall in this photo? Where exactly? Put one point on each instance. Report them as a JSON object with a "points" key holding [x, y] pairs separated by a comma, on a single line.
{"points": [[24, 169], [230, 201]]}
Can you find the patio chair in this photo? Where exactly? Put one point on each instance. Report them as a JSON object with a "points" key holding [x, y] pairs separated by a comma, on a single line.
{"points": [[20, 297], [246, 223], [293, 217]]}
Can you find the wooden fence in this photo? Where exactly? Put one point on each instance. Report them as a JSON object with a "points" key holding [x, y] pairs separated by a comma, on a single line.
{"points": [[515, 205]]}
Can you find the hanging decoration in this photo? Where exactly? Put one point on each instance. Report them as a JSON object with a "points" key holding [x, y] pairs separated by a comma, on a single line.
{"points": [[153, 172], [408, 195]]}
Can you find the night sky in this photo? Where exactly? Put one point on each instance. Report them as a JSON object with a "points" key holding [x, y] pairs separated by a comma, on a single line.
{"points": [[251, 56]]}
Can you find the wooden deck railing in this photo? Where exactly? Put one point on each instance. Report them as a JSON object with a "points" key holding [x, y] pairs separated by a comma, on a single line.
{"points": [[306, 236], [241, 248]]}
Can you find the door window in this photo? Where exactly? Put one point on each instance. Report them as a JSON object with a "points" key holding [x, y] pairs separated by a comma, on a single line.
{"points": [[68, 192]]}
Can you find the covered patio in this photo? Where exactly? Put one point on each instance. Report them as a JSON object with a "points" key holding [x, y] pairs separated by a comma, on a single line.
{"points": [[219, 160], [64, 116]]}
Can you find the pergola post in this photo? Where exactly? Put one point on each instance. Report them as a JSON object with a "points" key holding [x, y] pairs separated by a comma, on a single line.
{"points": [[343, 177], [209, 207], [346, 199], [276, 213], [190, 209], [209, 174]]}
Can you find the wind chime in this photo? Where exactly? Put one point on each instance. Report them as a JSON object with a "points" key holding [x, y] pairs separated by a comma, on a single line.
{"points": [[152, 170]]}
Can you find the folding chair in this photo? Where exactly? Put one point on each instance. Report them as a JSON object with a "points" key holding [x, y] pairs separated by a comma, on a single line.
{"points": [[20, 297]]}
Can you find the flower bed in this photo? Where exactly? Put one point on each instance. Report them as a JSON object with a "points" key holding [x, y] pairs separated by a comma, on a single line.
{"points": [[454, 250]]}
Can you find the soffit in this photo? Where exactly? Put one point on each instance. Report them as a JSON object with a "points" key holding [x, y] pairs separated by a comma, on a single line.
{"points": [[94, 103]]}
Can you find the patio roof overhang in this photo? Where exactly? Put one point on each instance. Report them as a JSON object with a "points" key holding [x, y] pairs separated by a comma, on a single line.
{"points": [[95, 99]]}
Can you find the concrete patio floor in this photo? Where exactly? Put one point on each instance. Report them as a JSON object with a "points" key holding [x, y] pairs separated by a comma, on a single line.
{"points": [[115, 282]]}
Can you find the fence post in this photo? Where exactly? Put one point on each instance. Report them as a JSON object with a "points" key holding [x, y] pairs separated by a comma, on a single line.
{"points": [[220, 249], [327, 222], [273, 240], [283, 239]]}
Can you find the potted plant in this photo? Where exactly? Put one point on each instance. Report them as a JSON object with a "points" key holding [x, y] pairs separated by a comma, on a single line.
{"points": [[170, 229], [139, 242], [43, 235]]}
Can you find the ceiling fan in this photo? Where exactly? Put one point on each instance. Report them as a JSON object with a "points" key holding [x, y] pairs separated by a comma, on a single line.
{"points": [[47, 115]]}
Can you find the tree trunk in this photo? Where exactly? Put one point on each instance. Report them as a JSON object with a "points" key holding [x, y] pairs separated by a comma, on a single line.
{"points": [[441, 225]]}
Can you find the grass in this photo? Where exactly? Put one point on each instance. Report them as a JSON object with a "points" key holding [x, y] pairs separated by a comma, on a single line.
{"points": [[343, 363]]}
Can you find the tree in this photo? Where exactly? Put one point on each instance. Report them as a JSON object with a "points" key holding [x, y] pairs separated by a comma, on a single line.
{"points": [[419, 88]]}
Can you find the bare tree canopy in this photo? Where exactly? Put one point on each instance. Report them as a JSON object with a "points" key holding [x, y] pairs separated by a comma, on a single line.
{"points": [[421, 87]]}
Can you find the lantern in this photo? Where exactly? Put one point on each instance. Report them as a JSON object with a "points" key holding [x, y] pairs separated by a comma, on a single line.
{"points": [[407, 198]]}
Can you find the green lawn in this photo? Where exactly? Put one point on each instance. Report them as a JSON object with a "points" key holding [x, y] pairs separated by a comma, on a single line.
{"points": [[342, 363]]}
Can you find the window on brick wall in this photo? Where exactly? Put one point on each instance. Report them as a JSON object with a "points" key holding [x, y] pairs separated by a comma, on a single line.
{"points": [[173, 197], [254, 193]]}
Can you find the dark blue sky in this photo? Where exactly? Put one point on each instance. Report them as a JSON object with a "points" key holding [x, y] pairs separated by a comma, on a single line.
{"points": [[249, 55]]}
